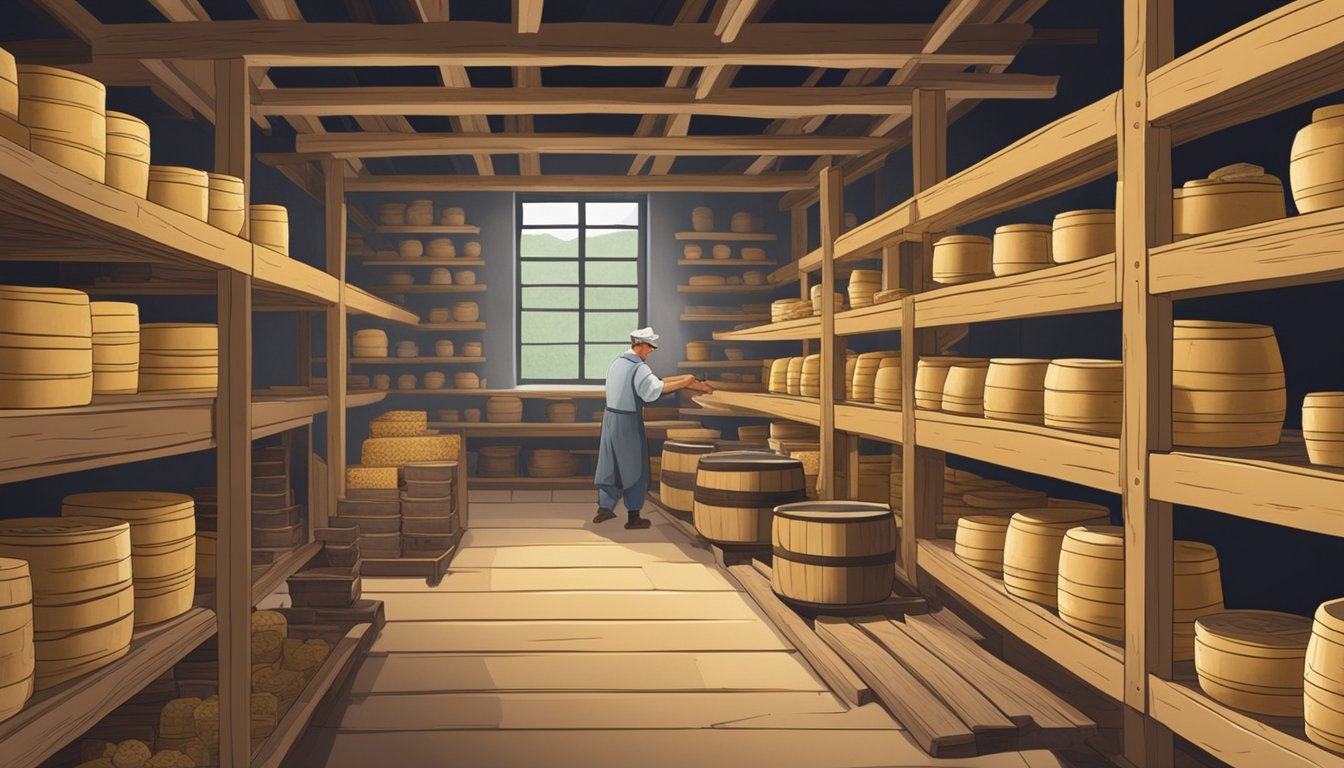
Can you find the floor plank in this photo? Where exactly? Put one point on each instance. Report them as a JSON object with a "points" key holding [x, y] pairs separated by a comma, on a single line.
{"points": [[580, 556], [557, 606], [483, 497], [587, 497], [691, 577], [532, 537], [604, 636]]}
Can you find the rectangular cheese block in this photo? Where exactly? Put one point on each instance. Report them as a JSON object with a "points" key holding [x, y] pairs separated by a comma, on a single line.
{"points": [[399, 451], [371, 477]]}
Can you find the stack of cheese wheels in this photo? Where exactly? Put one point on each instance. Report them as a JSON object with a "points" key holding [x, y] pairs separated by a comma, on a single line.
{"points": [[16, 636], [370, 342], [546, 462], [794, 376], [1316, 167], [863, 283], [1235, 195], [498, 461], [48, 359], [1031, 550], [722, 252], [228, 209], [887, 382], [66, 115], [453, 217], [756, 433], [466, 311], [1198, 591], [1324, 682], [411, 249], [1091, 594], [1084, 395], [127, 154], [116, 347], [702, 219], [964, 388], [185, 190], [779, 376], [955, 504], [441, 248], [562, 412], [752, 253], [504, 409], [676, 480], [83, 595], [736, 493], [268, 225], [420, 213], [163, 546], [392, 214], [708, 280], [444, 348], [692, 252], [1323, 428], [980, 540], [1227, 385], [1254, 660], [817, 297], [1021, 248], [809, 377], [833, 553], [399, 424], [466, 380], [787, 309], [962, 259], [179, 357], [865, 374], [741, 222], [1084, 234], [931, 376], [1015, 390], [697, 351], [472, 349]]}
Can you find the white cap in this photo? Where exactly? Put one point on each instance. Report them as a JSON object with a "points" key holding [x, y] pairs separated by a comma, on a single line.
{"points": [[644, 336]]}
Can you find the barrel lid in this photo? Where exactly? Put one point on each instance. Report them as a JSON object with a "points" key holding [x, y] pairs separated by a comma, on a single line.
{"points": [[1013, 228], [747, 461], [1055, 516], [1100, 535], [995, 522], [1085, 362], [822, 511], [964, 240], [53, 527], [1223, 328], [42, 293], [1262, 629], [1193, 551], [1023, 361], [1324, 400], [13, 568], [38, 69], [130, 504], [1327, 113], [943, 361], [1331, 614], [1086, 213]]}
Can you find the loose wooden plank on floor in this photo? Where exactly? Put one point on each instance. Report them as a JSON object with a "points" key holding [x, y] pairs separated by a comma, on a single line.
{"points": [[608, 636], [580, 556], [565, 606]]}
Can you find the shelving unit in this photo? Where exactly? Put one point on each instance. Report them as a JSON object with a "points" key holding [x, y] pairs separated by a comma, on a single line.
{"points": [[428, 229], [725, 288], [424, 261], [407, 289], [763, 237], [726, 263]]}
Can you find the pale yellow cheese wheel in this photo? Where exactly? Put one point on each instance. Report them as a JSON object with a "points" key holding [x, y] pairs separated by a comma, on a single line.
{"points": [[68, 554], [33, 361], [186, 190], [227, 209], [60, 660], [269, 226], [184, 337], [167, 599], [9, 86], [127, 163], [44, 311], [14, 695], [66, 117], [371, 477]]}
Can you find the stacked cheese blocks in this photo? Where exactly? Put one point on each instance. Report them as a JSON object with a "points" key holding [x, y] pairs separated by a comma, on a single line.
{"points": [[163, 546], [863, 284], [789, 309], [179, 357], [332, 579], [127, 165], [47, 361], [116, 347], [65, 113], [372, 506], [83, 593], [548, 462], [504, 409], [499, 461], [282, 666], [17, 662], [278, 524], [371, 342], [428, 508]]}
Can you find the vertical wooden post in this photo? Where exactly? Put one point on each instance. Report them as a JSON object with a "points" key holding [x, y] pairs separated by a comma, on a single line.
{"points": [[304, 356], [891, 266], [930, 137], [1144, 221], [832, 349], [233, 437], [798, 247], [337, 349]]}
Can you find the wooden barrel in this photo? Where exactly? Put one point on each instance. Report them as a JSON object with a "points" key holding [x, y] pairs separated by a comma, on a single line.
{"points": [[1084, 395], [1323, 428], [980, 540], [1324, 681], [17, 659], [9, 86], [504, 409], [562, 412], [186, 190], [1316, 167], [1233, 196], [1021, 248], [864, 379], [1197, 592], [833, 553], [863, 283], [1015, 390], [809, 377], [736, 493], [964, 388], [47, 361], [546, 462], [466, 311], [1227, 386], [228, 209], [887, 386], [116, 347], [1253, 660], [127, 165], [962, 259], [65, 113], [1031, 550], [676, 481], [1091, 594], [1081, 235], [702, 219], [179, 357], [268, 225], [930, 376], [498, 461]]}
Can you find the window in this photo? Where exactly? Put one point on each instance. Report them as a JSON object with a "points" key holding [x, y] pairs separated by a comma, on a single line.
{"points": [[580, 278]]}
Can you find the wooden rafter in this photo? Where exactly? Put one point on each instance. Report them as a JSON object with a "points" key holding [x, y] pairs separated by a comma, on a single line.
{"points": [[687, 182], [386, 144], [455, 76], [275, 9], [735, 15], [529, 163], [527, 15], [677, 77]]}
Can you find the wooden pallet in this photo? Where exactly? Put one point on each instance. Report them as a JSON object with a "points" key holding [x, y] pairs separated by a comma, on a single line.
{"points": [[431, 569]]}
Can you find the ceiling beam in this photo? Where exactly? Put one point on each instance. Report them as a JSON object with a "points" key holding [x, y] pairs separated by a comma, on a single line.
{"points": [[180, 10], [527, 15], [388, 144], [956, 13], [677, 77], [472, 43], [275, 9], [734, 17], [529, 163], [712, 182]]}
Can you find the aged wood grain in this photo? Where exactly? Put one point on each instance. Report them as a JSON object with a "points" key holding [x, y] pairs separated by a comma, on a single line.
{"points": [[1084, 286]]}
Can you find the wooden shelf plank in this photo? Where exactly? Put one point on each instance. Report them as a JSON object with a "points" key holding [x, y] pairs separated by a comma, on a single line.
{"points": [[1297, 250], [456, 360], [735, 319], [800, 409], [741, 263], [57, 716], [1076, 457], [725, 288], [404, 289], [427, 229], [735, 236], [1084, 286], [1095, 661], [554, 393], [280, 273], [1236, 738], [360, 302], [871, 235], [577, 483], [787, 330], [423, 262], [697, 364], [1289, 56], [1273, 485], [656, 430], [275, 574], [451, 327], [871, 421], [878, 318]]}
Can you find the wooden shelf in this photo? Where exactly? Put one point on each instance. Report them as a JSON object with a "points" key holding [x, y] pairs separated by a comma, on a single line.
{"points": [[557, 393], [724, 318], [1236, 738], [1084, 286], [57, 716], [711, 413], [360, 302], [1269, 64], [871, 421], [788, 330], [1273, 485], [801, 409], [423, 262], [879, 318], [726, 263], [451, 327], [292, 726], [426, 229], [456, 360], [698, 364], [422, 288], [273, 412], [789, 273], [1076, 457], [656, 430], [725, 288], [1095, 661], [1297, 250], [278, 273], [270, 577], [734, 236]]}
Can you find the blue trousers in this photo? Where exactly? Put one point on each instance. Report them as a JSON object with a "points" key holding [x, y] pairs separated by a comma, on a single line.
{"points": [[607, 495]]}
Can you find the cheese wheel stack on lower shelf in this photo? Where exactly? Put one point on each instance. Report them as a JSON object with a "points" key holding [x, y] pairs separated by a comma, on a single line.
{"points": [[116, 347], [47, 359], [179, 357]]}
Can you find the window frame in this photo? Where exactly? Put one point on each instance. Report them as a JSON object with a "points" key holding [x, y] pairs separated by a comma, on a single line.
{"points": [[641, 274]]}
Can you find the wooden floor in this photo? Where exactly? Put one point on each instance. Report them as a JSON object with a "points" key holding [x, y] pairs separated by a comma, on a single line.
{"points": [[555, 642]]}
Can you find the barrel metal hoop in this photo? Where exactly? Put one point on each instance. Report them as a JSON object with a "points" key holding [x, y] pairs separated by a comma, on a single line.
{"points": [[748, 499], [682, 481], [837, 561]]}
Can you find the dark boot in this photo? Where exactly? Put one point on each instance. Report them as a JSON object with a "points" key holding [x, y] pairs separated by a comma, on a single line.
{"points": [[603, 515], [636, 522]]}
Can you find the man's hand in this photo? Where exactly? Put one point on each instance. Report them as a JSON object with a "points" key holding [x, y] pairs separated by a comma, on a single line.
{"points": [[701, 386]]}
